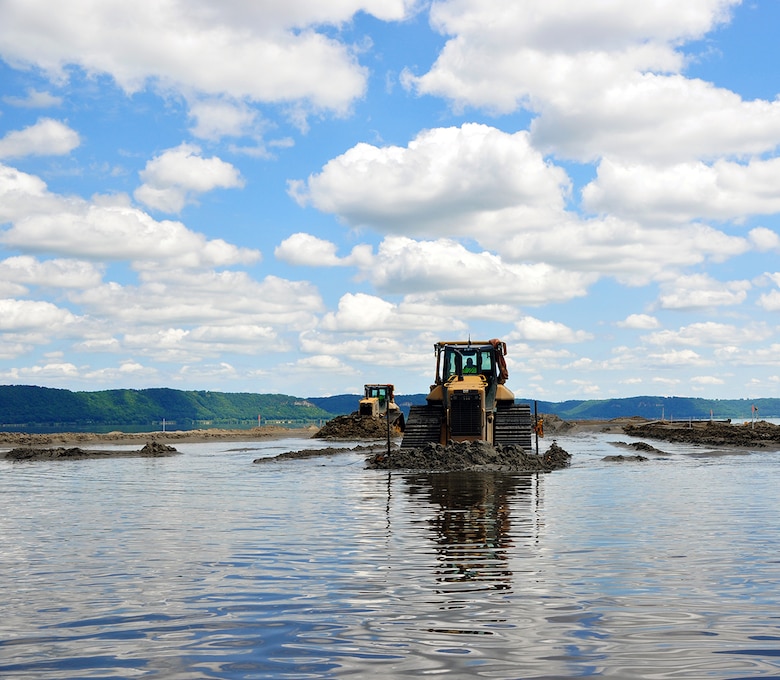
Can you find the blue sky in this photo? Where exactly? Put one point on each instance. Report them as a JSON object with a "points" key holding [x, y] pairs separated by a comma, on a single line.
{"points": [[304, 197]]}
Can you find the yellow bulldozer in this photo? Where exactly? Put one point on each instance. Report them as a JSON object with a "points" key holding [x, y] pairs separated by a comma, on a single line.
{"points": [[469, 400], [379, 402]]}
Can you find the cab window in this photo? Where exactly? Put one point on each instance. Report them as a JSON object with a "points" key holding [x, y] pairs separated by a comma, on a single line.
{"points": [[470, 363]]}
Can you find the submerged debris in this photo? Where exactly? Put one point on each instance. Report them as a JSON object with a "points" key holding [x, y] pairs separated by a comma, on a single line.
{"points": [[620, 458], [477, 455]]}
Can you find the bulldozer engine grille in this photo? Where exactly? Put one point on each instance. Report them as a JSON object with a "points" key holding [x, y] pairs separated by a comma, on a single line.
{"points": [[366, 410], [465, 415]]}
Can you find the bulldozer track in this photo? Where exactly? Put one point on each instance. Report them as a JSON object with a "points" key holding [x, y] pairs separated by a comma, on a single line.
{"points": [[513, 425], [422, 427]]}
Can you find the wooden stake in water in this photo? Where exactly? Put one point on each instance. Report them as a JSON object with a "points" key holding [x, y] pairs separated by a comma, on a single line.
{"points": [[387, 418]]}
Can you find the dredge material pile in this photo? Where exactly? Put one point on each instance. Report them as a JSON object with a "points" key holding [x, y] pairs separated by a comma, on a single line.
{"points": [[710, 433], [476, 455], [354, 426]]}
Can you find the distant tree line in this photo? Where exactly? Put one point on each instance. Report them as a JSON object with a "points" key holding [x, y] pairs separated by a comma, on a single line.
{"points": [[670, 408], [27, 405], [30, 405]]}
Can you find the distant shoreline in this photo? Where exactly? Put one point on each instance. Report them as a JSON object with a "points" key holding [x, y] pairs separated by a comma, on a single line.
{"points": [[717, 434], [553, 425], [14, 439]]}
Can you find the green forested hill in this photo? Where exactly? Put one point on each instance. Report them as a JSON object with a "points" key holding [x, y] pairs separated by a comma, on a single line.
{"points": [[29, 405], [26, 405], [678, 408]]}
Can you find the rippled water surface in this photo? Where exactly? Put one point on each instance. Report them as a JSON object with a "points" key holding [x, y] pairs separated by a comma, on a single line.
{"points": [[206, 565]]}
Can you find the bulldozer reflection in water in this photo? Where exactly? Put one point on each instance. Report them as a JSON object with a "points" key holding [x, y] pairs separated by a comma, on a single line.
{"points": [[469, 400], [473, 525]]}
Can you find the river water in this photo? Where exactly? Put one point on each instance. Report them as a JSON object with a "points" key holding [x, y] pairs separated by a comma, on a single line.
{"points": [[206, 565]]}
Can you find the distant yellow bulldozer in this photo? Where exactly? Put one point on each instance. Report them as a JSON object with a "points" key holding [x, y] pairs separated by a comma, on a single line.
{"points": [[469, 401], [379, 402]]}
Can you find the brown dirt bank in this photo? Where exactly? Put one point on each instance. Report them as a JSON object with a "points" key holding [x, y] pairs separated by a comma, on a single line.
{"points": [[555, 425], [760, 435], [341, 427], [15, 439], [150, 450]]}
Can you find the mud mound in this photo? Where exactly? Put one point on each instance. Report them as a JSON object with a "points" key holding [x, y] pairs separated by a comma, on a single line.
{"points": [[354, 426], [315, 453], [31, 453], [639, 446], [710, 433], [154, 448], [554, 424], [151, 450], [625, 459], [470, 456]]}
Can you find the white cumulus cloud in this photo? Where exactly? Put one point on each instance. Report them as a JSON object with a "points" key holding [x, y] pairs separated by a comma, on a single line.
{"points": [[639, 321], [530, 329], [604, 78], [57, 273], [451, 273], [259, 52], [47, 137], [32, 315], [446, 181], [683, 192], [312, 251], [699, 291], [178, 175], [217, 118], [103, 227]]}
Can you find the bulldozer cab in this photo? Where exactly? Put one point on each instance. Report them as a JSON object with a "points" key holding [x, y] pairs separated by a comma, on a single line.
{"points": [[376, 399], [382, 393], [456, 360], [468, 361]]}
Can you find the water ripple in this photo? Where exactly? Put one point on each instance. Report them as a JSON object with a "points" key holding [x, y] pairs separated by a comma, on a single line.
{"points": [[207, 566]]}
